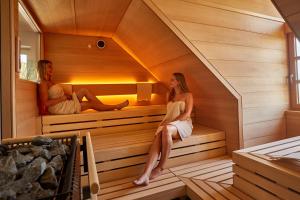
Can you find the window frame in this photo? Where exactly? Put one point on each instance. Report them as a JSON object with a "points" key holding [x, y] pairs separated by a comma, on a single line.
{"points": [[22, 10], [294, 81]]}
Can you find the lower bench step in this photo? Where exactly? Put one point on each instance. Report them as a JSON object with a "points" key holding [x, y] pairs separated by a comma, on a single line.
{"points": [[197, 190], [167, 186]]}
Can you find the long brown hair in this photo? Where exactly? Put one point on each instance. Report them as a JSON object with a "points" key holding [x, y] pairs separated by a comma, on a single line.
{"points": [[182, 85], [42, 65]]}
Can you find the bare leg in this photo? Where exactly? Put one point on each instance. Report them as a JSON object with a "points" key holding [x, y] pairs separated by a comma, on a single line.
{"points": [[152, 159], [101, 107], [83, 92], [94, 103], [169, 133]]}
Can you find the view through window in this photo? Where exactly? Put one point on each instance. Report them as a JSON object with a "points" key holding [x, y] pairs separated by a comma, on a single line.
{"points": [[297, 63], [29, 48], [294, 72]]}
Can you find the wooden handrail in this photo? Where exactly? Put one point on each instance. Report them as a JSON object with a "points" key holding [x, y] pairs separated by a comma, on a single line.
{"points": [[92, 171]]}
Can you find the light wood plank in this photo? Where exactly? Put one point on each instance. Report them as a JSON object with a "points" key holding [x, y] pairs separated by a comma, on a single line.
{"points": [[252, 190], [274, 188]]}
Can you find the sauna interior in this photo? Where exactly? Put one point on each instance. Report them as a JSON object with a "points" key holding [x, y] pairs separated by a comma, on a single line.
{"points": [[241, 62]]}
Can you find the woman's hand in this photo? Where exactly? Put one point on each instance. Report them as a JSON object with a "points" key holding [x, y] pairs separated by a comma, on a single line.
{"points": [[163, 123], [69, 97], [64, 98], [182, 117]]}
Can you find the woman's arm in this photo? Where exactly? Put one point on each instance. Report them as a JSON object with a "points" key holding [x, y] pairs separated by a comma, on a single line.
{"points": [[188, 108], [43, 92]]}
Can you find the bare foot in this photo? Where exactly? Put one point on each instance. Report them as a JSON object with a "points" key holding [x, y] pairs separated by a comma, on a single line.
{"points": [[122, 105], [143, 180], [156, 172]]}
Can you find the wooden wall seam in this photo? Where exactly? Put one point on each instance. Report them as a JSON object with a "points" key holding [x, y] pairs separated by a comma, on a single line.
{"points": [[231, 9]]}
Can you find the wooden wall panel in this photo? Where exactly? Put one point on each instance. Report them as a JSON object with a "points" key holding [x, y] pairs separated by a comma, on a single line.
{"points": [[248, 48], [255, 6], [215, 106], [27, 116], [75, 62], [293, 123]]}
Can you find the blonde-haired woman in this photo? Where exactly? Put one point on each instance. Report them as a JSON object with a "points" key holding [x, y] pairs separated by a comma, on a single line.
{"points": [[177, 124], [55, 100]]}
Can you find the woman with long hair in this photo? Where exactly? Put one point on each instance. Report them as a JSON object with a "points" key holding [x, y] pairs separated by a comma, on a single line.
{"points": [[177, 124], [55, 100]]}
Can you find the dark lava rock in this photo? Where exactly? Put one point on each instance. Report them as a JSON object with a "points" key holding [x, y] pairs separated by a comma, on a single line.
{"points": [[35, 169], [57, 163], [36, 192], [58, 150], [19, 186], [24, 149], [39, 140], [48, 179], [3, 149], [67, 149], [7, 194], [8, 170], [40, 151], [20, 159], [20, 172], [44, 194]]}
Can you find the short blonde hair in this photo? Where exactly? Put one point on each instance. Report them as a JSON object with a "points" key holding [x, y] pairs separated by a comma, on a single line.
{"points": [[42, 65]]}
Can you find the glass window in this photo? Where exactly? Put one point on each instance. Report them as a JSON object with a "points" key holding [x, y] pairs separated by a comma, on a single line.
{"points": [[298, 69], [297, 47], [294, 72], [29, 47]]}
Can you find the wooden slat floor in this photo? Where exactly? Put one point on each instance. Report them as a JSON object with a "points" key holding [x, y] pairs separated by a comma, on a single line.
{"points": [[207, 179]]}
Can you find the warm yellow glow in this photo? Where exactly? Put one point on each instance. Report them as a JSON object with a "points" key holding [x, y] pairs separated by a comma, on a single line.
{"points": [[115, 99], [117, 82]]}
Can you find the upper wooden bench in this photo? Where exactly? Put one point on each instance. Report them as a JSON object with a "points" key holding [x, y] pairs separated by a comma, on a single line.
{"points": [[127, 119], [260, 177]]}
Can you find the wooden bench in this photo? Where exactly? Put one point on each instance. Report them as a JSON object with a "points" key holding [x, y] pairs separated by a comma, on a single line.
{"points": [[123, 154], [129, 119], [260, 177]]}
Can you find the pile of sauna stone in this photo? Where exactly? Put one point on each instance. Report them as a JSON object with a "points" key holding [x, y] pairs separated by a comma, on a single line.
{"points": [[31, 171]]}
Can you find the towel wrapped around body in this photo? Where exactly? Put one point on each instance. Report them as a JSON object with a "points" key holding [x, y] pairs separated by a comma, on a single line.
{"points": [[184, 127], [64, 107]]}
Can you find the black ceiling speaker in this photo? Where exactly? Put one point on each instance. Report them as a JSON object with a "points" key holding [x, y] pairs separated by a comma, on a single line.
{"points": [[100, 44]]}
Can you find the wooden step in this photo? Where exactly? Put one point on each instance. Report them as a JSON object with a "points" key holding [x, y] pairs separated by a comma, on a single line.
{"points": [[167, 186], [198, 190], [217, 170], [178, 182], [262, 178]]}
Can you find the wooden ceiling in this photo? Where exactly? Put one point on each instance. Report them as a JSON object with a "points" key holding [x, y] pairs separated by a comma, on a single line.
{"points": [[290, 11], [82, 17]]}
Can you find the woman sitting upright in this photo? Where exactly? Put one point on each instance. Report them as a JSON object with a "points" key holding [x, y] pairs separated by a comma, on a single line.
{"points": [[54, 99], [177, 124]]}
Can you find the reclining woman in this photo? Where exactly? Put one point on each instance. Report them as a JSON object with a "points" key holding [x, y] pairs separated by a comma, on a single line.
{"points": [[177, 124], [54, 99]]}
